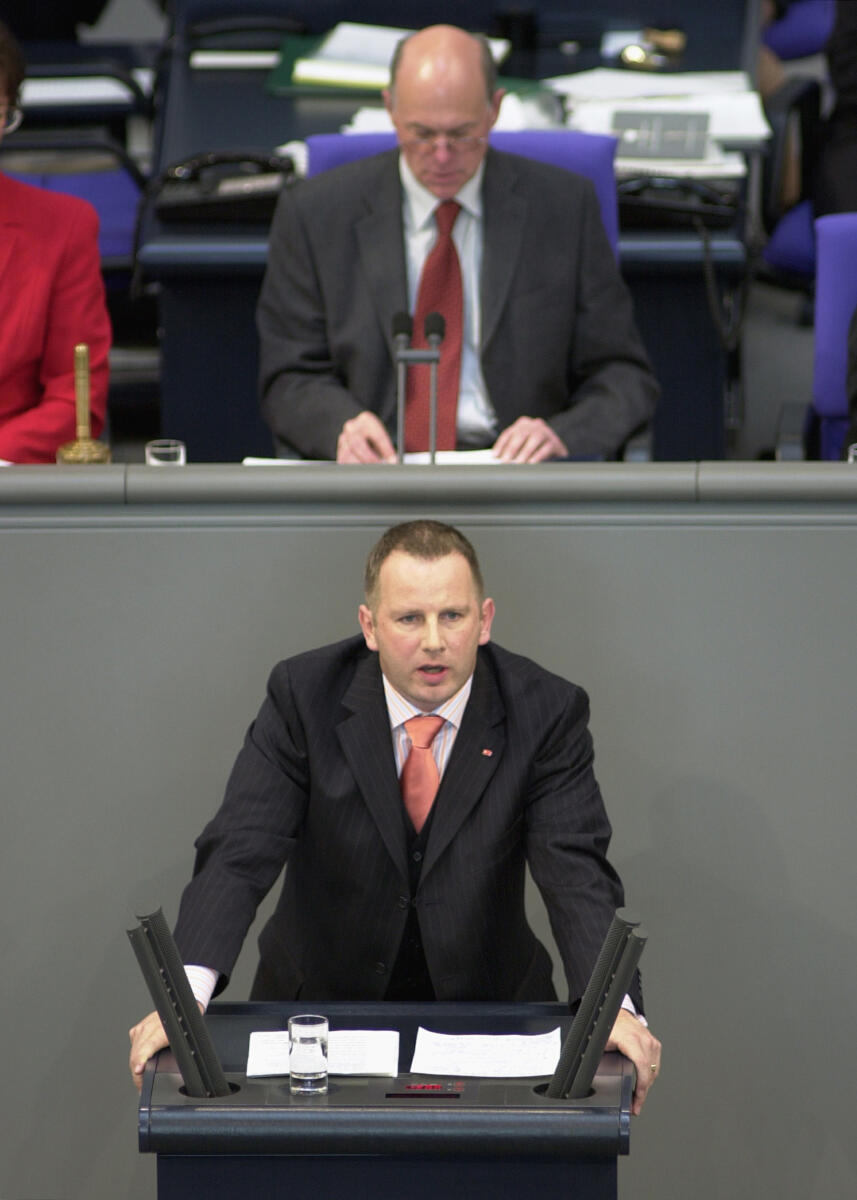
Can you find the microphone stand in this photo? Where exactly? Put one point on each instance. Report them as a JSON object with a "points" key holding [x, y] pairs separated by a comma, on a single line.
{"points": [[435, 328], [404, 356], [402, 329]]}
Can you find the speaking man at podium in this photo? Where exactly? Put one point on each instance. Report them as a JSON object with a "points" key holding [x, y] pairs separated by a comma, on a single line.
{"points": [[541, 358], [408, 776]]}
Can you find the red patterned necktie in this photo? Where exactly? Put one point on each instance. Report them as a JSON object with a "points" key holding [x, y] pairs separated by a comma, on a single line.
{"points": [[439, 291], [420, 779]]}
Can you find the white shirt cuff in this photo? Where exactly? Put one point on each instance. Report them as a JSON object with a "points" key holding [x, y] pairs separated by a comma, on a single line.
{"points": [[203, 981], [629, 1006]]}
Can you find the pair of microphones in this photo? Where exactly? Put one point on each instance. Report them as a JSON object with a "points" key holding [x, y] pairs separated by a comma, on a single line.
{"points": [[405, 356]]}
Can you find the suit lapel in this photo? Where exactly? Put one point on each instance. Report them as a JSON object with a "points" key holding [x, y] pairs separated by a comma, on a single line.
{"points": [[505, 215], [475, 757], [380, 237], [367, 744]]}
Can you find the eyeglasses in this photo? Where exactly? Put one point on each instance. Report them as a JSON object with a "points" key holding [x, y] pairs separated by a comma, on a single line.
{"points": [[455, 143], [10, 118]]}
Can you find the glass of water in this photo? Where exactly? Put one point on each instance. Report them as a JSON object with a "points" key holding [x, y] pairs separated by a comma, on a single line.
{"points": [[165, 452], [308, 1055]]}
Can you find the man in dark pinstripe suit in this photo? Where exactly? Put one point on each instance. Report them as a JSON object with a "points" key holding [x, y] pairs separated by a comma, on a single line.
{"points": [[371, 907]]}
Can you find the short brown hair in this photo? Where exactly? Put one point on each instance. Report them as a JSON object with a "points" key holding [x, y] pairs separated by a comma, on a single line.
{"points": [[12, 66], [421, 539]]}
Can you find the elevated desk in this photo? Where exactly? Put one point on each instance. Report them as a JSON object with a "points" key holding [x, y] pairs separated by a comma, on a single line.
{"points": [[71, 84], [381, 1136], [210, 277]]}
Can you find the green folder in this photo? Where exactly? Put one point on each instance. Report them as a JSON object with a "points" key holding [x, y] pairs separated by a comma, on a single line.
{"points": [[279, 81]]}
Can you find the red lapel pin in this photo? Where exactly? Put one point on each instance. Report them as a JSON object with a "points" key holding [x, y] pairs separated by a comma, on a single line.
{"points": [[488, 753]]}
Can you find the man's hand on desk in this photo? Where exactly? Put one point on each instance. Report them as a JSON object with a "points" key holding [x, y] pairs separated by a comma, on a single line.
{"points": [[529, 440], [364, 439], [147, 1038], [644, 1050]]}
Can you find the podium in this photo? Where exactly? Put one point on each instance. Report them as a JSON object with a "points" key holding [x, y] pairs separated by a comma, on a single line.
{"points": [[413, 1136]]}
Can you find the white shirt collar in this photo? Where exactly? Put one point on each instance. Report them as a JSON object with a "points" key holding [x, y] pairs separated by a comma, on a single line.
{"points": [[401, 710], [420, 203]]}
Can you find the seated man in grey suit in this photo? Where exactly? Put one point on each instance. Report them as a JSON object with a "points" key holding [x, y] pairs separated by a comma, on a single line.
{"points": [[551, 363], [407, 847]]}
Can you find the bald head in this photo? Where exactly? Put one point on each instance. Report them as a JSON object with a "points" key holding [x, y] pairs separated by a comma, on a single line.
{"points": [[443, 103], [441, 53]]}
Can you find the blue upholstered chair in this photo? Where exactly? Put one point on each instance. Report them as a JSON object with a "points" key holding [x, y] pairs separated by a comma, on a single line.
{"points": [[802, 30], [588, 154], [113, 189], [835, 301]]}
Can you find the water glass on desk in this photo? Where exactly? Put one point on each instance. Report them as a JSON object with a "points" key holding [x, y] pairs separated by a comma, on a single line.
{"points": [[308, 1055], [166, 452]]}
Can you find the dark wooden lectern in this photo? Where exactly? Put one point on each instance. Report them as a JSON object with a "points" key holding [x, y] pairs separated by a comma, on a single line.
{"points": [[376, 1138]]}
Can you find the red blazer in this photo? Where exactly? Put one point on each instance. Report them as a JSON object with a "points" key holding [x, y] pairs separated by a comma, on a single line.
{"points": [[51, 298]]}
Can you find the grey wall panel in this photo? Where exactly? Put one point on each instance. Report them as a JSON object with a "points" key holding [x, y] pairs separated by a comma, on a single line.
{"points": [[717, 646]]}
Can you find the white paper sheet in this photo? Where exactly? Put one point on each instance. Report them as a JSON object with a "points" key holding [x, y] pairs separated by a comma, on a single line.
{"points": [[349, 1052], [491, 1056], [605, 83], [443, 458], [90, 89]]}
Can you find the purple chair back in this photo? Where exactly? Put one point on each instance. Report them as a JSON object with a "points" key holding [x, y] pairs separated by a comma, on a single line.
{"points": [[835, 301], [802, 30], [791, 246], [589, 154]]}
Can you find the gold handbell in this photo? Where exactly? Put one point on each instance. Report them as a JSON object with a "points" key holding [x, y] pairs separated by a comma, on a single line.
{"points": [[84, 448]]}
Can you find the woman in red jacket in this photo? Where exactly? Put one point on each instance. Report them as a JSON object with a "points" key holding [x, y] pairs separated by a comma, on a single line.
{"points": [[51, 298]]}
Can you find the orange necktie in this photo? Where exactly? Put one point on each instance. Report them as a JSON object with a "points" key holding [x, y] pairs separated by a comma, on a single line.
{"points": [[440, 291], [420, 779]]}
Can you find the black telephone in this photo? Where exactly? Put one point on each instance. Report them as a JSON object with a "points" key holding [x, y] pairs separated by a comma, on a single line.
{"points": [[239, 186], [664, 202]]}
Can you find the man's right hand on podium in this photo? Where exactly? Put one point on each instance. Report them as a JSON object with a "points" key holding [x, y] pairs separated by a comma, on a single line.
{"points": [[147, 1038], [364, 439]]}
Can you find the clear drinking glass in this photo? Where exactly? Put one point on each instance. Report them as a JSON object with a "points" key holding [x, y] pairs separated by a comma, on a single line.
{"points": [[166, 452], [308, 1055]]}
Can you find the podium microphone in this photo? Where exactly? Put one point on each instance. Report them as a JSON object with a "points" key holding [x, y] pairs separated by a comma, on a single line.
{"points": [[403, 327], [435, 328]]}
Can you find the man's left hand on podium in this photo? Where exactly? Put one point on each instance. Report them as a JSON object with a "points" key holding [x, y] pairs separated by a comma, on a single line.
{"points": [[635, 1041], [529, 439]]}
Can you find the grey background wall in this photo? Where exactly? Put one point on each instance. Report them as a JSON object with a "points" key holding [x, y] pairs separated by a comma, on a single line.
{"points": [[716, 640]]}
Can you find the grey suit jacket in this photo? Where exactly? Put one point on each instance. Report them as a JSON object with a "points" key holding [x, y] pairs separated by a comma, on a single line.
{"points": [[558, 335], [315, 784]]}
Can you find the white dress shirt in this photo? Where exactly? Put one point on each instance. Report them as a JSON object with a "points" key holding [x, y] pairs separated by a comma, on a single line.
{"points": [[476, 421]]}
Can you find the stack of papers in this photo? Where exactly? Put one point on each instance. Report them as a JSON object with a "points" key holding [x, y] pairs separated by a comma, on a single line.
{"points": [[354, 55], [736, 120], [516, 112]]}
